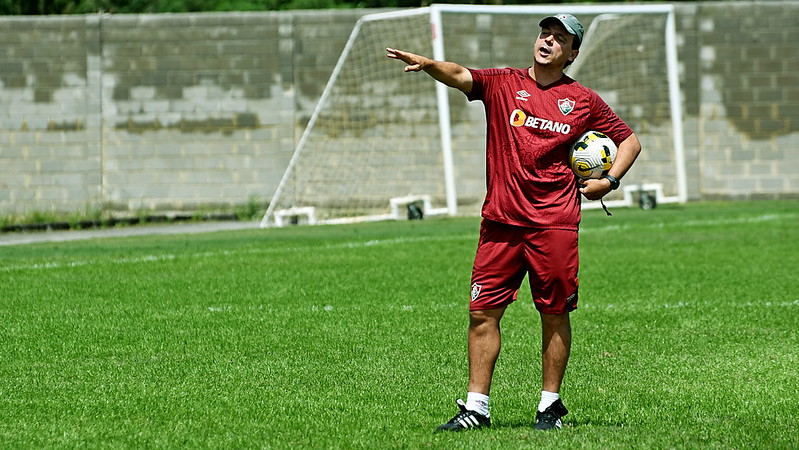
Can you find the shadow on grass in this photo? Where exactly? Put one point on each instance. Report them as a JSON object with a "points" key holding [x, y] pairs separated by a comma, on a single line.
{"points": [[568, 424]]}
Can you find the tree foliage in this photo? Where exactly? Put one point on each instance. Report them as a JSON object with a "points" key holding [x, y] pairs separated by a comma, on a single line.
{"points": [[40, 7]]}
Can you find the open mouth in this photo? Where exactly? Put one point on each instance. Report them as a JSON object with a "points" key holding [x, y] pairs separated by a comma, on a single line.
{"points": [[544, 51]]}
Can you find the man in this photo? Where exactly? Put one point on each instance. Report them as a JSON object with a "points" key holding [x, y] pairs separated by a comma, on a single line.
{"points": [[531, 212]]}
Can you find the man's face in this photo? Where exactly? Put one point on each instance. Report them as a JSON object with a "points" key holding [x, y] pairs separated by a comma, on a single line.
{"points": [[553, 47]]}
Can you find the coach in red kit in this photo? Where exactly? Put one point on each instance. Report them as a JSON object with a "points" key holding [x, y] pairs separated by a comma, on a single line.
{"points": [[531, 212]]}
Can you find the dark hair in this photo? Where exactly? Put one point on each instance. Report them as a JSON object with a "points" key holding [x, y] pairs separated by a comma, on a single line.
{"points": [[575, 46]]}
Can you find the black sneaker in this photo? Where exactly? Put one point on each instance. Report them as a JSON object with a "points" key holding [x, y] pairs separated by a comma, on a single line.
{"points": [[465, 419], [550, 418]]}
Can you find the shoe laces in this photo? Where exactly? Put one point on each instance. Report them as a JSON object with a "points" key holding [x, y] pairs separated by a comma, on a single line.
{"points": [[548, 417]]}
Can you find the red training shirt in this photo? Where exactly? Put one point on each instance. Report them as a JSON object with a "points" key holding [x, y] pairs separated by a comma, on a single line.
{"points": [[530, 129]]}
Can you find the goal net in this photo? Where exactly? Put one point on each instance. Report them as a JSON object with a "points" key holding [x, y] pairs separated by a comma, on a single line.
{"points": [[385, 144]]}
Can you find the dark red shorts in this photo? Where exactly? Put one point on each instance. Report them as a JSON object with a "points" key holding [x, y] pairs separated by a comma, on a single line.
{"points": [[506, 253]]}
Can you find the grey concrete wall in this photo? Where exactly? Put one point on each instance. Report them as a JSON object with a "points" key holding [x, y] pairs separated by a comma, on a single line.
{"points": [[157, 112], [50, 136], [747, 97], [186, 111], [196, 109]]}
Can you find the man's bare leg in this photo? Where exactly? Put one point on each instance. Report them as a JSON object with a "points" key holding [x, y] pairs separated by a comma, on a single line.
{"points": [[484, 343], [555, 347], [484, 346], [556, 339]]}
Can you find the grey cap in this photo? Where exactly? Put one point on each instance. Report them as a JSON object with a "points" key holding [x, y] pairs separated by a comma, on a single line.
{"points": [[569, 22]]}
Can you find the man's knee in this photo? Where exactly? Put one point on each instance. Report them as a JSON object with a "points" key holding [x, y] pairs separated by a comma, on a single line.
{"points": [[485, 318], [555, 322]]}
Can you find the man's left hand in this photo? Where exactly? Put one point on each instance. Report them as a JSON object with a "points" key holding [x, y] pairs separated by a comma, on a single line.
{"points": [[594, 189]]}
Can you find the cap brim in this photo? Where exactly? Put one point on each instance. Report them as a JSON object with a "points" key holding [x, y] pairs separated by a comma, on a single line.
{"points": [[546, 20]]}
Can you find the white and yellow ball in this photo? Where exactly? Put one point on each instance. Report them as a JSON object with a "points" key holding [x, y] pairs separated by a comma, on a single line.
{"points": [[592, 155]]}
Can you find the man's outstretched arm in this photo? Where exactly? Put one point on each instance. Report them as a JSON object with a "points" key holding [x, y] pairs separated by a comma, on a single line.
{"points": [[449, 73]]}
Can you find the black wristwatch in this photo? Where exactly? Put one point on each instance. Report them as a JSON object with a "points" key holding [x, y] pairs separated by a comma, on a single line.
{"points": [[614, 182]]}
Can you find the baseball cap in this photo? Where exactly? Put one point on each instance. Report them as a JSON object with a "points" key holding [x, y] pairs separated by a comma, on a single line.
{"points": [[572, 25]]}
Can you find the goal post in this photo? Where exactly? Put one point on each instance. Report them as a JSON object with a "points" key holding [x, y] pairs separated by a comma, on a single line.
{"points": [[367, 140], [380, 139]]}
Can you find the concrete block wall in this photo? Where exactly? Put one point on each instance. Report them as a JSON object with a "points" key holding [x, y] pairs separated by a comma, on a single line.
{"points": [[748, 98], [182, 111], [197, 109], [157, 112], [49, 115]]}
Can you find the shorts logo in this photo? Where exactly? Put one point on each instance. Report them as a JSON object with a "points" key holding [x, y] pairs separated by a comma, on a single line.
{"points": [[566, 105], [476, 291], [571, 302]]}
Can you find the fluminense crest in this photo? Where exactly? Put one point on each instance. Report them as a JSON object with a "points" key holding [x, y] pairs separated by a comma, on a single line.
{"points": [[476, 291], [566, 105]]}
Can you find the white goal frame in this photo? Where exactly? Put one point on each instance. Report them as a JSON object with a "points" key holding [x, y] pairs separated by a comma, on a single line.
{"points": [[435, 12]]}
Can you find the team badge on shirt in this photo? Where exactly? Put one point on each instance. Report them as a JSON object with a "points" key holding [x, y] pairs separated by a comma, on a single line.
{"points": [[566, 105]]}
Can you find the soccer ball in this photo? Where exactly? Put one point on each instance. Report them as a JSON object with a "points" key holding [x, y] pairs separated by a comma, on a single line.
{"points": [[592, 155]]}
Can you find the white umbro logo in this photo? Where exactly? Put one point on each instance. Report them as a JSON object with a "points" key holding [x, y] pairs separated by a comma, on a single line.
{"points": [[522, 95]]}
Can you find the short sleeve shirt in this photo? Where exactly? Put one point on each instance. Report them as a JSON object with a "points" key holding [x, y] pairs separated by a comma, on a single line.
{"points": [[530, 129]]}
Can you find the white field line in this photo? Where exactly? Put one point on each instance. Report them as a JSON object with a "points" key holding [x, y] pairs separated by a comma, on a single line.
{"points": [[147, 230], [213, 254], [610, 306], [374, 243], [700, 304]]}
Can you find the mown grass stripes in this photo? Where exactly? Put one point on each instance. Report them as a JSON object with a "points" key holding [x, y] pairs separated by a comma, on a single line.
{"points": [[354, 337]]}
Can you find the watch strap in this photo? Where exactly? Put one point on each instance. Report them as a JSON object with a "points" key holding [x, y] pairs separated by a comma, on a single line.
{"points": [[614, 182]]}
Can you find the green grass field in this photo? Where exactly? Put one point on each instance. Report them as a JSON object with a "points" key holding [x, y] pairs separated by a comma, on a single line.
{"points": [[354, 337]]}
